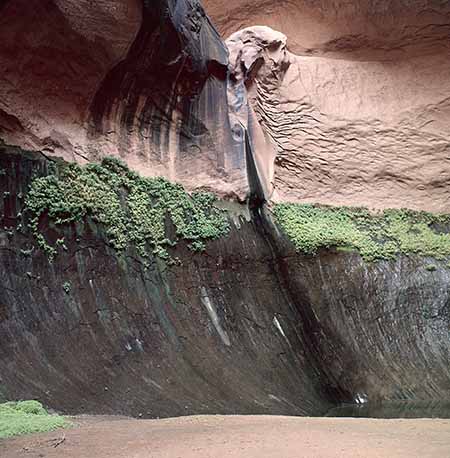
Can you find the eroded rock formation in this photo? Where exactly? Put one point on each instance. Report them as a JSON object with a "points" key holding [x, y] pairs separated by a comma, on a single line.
{"points": [[367, 29], [356, 116], [348, 104], [359, 115], [142, 80], [257, 57]]}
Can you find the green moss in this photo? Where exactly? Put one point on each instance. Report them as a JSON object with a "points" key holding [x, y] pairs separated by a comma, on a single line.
{"points": [[133, 210], [25, 417], [30, 407], [375, 236]]}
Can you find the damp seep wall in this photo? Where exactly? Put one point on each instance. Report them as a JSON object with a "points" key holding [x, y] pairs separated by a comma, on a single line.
{"points": [[383, 328], [248, 326], [215, 334]]}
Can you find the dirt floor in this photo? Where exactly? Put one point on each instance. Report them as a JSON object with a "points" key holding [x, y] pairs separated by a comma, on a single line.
{"points": [[237, 436]]}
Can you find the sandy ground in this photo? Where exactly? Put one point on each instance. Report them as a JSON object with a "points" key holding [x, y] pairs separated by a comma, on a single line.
{"points": [[237, 436]]}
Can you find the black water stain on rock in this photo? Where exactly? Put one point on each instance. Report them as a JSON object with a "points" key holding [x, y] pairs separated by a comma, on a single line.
{"points": [[303, 333]]}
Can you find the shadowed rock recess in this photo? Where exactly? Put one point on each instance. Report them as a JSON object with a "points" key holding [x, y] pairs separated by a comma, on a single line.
{"points": [[230, 319]]}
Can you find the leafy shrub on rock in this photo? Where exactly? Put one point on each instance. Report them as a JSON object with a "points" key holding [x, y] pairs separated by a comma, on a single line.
{"points": [[133, 210]]}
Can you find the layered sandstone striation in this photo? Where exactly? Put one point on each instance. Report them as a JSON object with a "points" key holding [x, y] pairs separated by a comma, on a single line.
{"points": [[357, 112], [365, 29]]}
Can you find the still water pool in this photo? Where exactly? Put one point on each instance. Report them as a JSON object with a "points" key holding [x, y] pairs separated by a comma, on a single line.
{"points": [[394, 409]]}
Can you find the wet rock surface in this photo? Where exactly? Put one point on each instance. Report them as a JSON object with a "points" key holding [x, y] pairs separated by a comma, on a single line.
{"points": [[94, 332], [249, 326]]}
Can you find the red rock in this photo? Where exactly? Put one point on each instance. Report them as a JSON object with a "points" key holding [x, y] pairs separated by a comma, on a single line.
{"points": [[351, 108], [86, 79], [359, 114]]}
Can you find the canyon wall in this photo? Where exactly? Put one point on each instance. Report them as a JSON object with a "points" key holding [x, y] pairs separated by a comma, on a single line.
{"points": [[249, 326], [366, 30], [145, 81], [354, 112], [214, 334], [349, 107], [353, 97]]}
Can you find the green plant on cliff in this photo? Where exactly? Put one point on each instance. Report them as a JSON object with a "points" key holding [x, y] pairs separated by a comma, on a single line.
{"points": [[25, 417], [376, 236], [132, 209]]}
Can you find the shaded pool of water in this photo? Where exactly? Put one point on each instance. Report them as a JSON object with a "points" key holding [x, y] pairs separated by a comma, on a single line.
{"points": [[395, 409]]}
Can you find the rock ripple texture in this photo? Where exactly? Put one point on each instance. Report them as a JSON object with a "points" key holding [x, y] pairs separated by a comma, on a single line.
{"points": [[354, 97]]}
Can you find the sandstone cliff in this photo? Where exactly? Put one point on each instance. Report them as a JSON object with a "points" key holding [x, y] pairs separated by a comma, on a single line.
{"points": [[143, 81], [143, 322], [348, 103], [353, 96]]}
